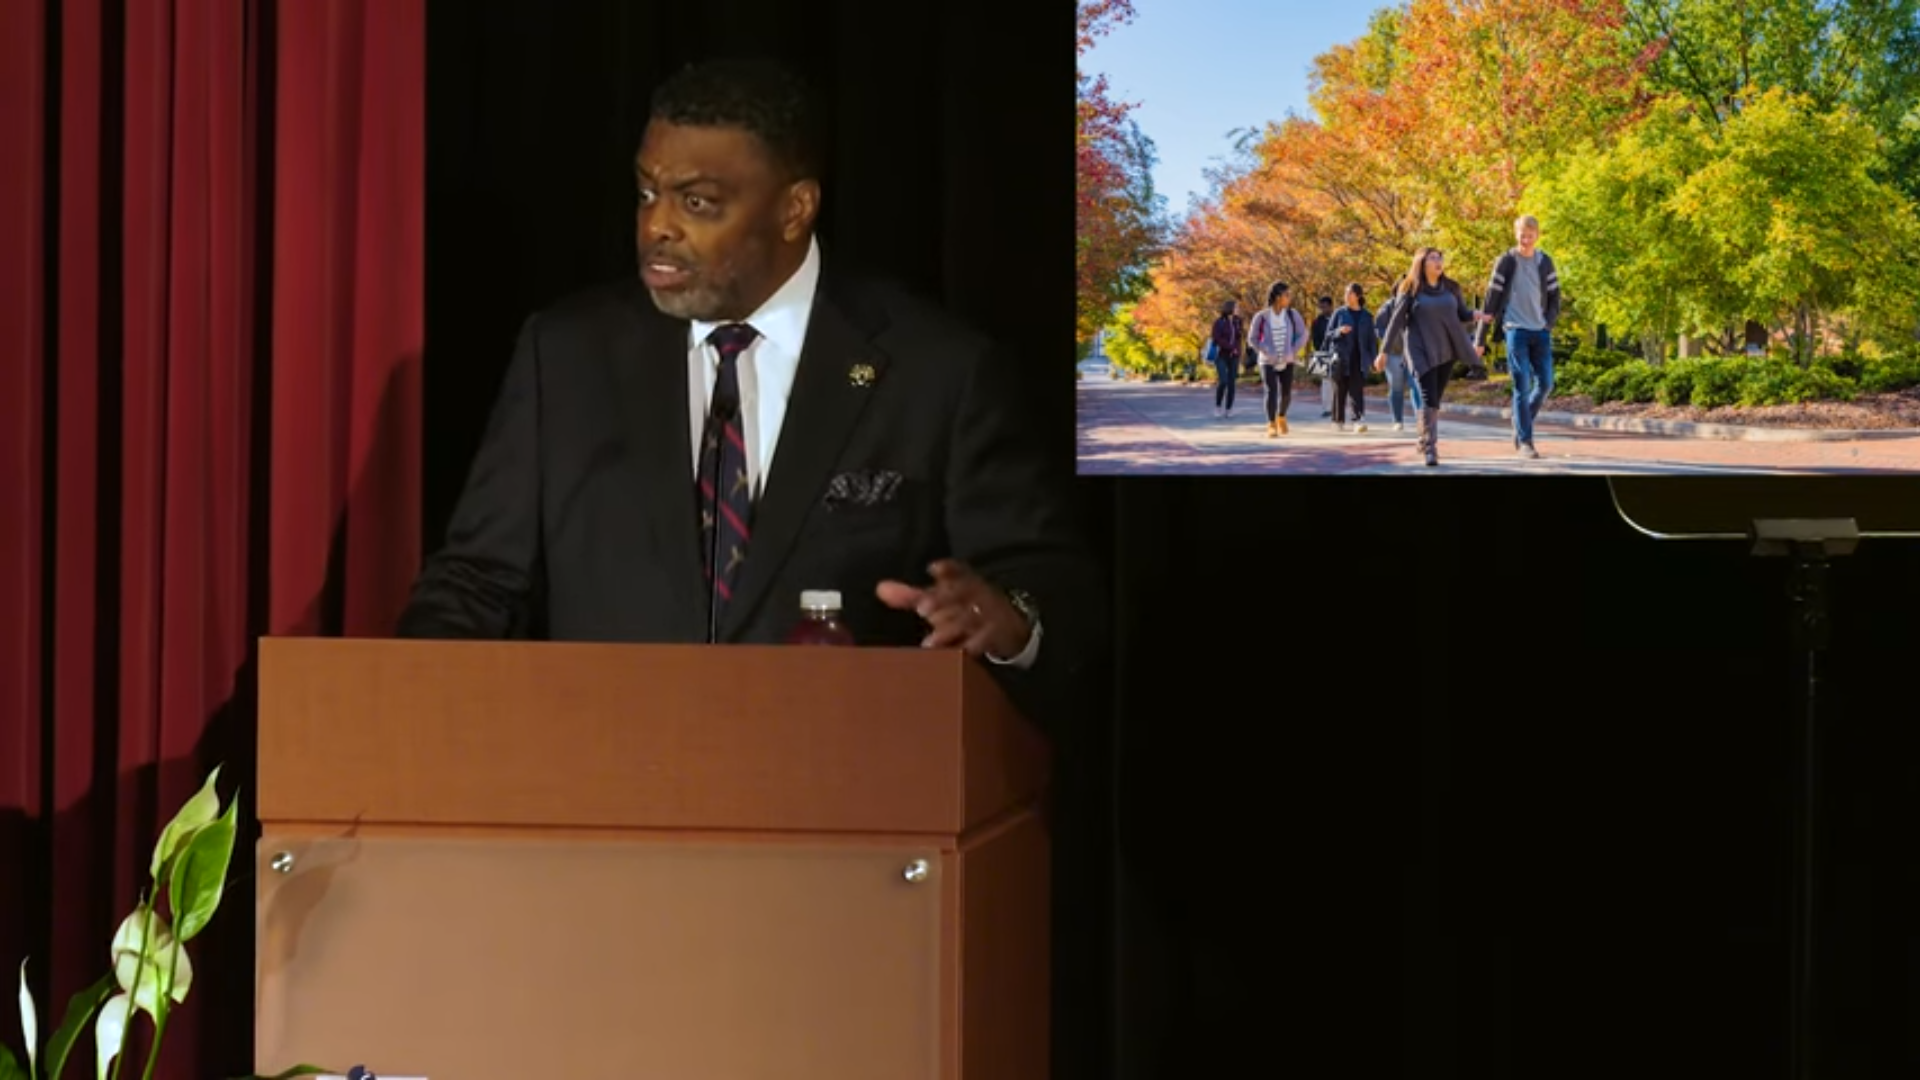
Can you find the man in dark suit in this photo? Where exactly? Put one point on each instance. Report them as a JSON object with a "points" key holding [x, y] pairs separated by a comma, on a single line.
{"points": [[675, 459]]}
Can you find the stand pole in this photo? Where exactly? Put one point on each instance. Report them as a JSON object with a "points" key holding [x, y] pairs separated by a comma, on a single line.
{"points": [[1809, 545], [1809, 595]]}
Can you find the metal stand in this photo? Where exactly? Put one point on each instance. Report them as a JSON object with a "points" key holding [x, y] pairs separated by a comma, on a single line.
{"points": [[1810, 545]]}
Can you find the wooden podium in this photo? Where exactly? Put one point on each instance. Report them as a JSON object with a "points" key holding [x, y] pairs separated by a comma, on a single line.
{"points": [[484, 861]]}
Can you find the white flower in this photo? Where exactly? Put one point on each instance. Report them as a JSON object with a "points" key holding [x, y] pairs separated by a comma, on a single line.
{"points": [[167, 969], [29, 1021], [109, 1031]]}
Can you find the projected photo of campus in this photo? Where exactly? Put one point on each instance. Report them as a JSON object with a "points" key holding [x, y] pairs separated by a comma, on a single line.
{"points": [[1499, 236]]}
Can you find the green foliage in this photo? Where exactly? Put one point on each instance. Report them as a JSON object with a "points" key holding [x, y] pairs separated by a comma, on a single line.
{"points": [[151, 972], [1703, 382], [1635, 382], [1859, 54], [1130, 353], [1621, 249], [80, 1009], [1603, 359], [1575, 378], [1776, 382], [1794, 216], [1690, 224], [1888, 374], [1721, 381]]}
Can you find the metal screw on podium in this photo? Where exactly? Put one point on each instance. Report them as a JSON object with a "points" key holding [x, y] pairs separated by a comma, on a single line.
{"points": [[916, 871], [282, 862]]}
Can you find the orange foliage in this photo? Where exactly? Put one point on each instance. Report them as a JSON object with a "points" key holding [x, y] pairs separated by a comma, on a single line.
{"points": [[1423, 134]]}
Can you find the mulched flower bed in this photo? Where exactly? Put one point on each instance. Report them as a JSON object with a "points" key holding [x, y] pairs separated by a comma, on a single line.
{"points": [[1866, 412]]}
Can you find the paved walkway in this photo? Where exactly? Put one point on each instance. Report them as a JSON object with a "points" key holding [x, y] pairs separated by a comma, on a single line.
{"points": [[1169, 428]]}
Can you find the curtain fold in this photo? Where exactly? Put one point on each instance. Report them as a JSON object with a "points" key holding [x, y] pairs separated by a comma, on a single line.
{"points": [[210, 327]]}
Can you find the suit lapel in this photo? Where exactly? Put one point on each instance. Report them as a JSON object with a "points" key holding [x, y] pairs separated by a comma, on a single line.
{"points": [[822, 411], [649, 368]]}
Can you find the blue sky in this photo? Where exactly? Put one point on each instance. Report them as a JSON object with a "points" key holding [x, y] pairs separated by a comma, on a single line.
{"points": [[1201, 68]]}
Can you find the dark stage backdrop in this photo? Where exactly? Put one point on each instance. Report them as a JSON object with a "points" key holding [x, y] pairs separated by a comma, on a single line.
{"points": [[1430, 777], [1464, 778]]}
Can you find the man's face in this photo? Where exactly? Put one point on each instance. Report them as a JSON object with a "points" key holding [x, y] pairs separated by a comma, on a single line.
{"points": [[1528, 235], [717, 223]]}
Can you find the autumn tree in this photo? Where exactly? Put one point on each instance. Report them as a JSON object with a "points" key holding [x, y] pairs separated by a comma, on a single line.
{"points": [[1695, 164], [1119, 215], [1449, 100]]}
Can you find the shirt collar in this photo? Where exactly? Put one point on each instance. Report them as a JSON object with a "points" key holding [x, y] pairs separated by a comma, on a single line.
{"points": [[782, 319]]}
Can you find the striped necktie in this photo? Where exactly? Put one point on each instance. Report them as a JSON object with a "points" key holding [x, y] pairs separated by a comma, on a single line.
{"points": [[725, 492]]}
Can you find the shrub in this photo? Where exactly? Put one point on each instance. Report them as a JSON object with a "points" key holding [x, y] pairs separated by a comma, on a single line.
{"points": [[1887, 374], [1607, 359], [1575, 378], [1783, 382], [1635, 382], [1703, 382], [1847, 365]]}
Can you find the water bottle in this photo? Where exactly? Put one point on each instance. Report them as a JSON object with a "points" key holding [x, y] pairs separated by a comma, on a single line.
{"points": [[820, 620]]}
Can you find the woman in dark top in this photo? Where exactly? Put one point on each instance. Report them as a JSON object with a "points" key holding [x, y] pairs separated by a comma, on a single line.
{"points": [[1354, 341], [1229, 342], [1433, 313]]}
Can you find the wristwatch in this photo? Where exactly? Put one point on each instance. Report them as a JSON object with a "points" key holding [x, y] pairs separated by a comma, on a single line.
{"points": [[1023, 603]]}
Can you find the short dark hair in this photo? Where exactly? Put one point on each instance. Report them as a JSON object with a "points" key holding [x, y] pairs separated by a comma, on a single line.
{"points": [[1276, 291], [1327, 300], [762, 97]]}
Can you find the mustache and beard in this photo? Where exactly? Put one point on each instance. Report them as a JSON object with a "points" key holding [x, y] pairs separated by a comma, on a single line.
{"points": [[715, 289]]}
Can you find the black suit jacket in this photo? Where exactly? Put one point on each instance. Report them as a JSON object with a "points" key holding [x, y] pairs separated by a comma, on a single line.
{"points": [[579, 519]]}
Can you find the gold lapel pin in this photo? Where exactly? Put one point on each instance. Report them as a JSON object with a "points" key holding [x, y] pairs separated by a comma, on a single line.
{"points": [[860, 375]]}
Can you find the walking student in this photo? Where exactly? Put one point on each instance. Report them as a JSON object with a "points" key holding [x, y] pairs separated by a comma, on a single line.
{"points": [[1226, 348], [1354, 340], [1400, 380], [1278, 333], [1433, 314], [1524, 294], [1320, 323]]}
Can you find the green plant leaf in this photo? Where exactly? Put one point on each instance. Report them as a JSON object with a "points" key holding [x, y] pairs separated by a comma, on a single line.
{"points": [[297, 1070], [198, 812], [109, 1032], [200, 873], [10, 1066], [80, 1009], [29, 1026], [167, 971]]}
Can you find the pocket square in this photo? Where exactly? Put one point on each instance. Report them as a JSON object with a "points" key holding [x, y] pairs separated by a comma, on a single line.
{"points": [[861, 488]]}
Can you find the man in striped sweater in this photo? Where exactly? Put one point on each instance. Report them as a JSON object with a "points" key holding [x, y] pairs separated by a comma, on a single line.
{"points": [[1524, 294]]}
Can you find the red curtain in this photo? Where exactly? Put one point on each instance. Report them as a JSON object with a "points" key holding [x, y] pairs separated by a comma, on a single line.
{"points": [[210, 329]]}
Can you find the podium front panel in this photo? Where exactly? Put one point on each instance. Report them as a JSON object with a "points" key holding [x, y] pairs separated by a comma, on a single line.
{"points": [[499, 958]]}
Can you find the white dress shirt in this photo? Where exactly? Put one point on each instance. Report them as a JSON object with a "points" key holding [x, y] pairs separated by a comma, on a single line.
{"points": [[766, 371]]}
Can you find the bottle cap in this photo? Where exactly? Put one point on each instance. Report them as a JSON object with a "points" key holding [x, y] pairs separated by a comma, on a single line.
{"points": [[820, 599]]}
